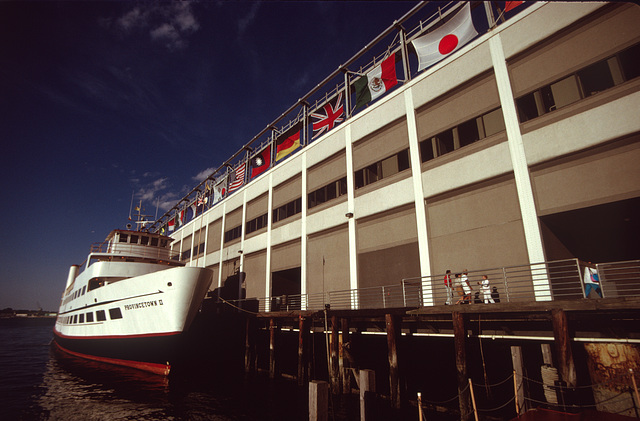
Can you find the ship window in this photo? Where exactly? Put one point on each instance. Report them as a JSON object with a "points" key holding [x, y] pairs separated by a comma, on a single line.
{"points": [[101, 316], [163, 243], [144, 240], [154, 241], [81, 319], [89, 317], [134, 239], [84, 289], [75, 319], [123, 238], [115, 313]]}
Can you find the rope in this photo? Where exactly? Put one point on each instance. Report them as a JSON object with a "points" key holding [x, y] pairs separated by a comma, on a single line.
{"points": [[499, 407], [236, 307], [495, 384], [448, 400]]}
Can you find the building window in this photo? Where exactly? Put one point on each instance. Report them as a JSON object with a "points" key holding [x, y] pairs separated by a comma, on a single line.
{"points": [[256, 223], [115, 313], [382, 169], [331, 191], [590, 80], [89, 317], [463, 134], [101, 316], [233, 233], [287, 210]]}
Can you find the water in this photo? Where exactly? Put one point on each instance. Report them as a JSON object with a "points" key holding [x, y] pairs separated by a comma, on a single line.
{"points": [[38, 383]]}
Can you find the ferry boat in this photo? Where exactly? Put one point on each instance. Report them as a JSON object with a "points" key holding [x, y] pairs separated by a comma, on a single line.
{"points": [[129, 303]]}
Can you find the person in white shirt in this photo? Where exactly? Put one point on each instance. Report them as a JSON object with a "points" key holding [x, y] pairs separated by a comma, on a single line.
{"points": [[486, 290]]}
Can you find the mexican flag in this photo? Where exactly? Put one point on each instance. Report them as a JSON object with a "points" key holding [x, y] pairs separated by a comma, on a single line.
{"points": [[377, 82]]}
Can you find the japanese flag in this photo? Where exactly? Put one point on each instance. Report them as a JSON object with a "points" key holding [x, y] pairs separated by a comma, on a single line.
{"points": [[446, 39]]}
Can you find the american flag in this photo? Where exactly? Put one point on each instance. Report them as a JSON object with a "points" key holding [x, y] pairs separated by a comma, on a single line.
{"points": [[237, 177], [326, 117]]}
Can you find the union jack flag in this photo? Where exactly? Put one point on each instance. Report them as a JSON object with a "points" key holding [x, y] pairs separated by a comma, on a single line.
{"points": [[327, 116]]}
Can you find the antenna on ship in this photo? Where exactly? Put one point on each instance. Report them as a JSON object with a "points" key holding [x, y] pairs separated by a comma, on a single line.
{"points": [[131, 205], [141, 220]]}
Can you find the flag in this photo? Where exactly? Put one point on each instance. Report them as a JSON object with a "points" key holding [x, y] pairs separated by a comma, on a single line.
{"points": [[237, 177], [445, 39], [261, 162], [220, 190], [288, 142], [375, 83], [172, 224], [325, 118], [510, 5]]}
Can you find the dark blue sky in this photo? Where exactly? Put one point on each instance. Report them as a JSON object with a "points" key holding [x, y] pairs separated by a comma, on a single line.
{"points": [[102, 99]]}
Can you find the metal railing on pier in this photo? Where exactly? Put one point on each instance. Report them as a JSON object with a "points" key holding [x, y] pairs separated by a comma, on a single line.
{"points": [[548, 281]]}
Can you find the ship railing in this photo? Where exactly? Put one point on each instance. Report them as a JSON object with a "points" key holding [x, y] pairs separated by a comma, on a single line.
{"points": [[547, 281]]}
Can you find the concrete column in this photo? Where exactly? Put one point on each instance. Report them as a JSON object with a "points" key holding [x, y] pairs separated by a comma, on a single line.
{"points": [[531, 225], [418, 198], [318, 400], [367, 385]]}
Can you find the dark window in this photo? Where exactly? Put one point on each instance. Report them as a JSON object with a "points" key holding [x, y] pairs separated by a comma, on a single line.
{"points": [[115, 313], [75, 319], [163, 243], [124, 238], [320, 195], [287, 210], [232, 234], [595, 78], [144, 240], [426, 150], [89, 317], [84, 289], [101, 316], [359, 179], [81, 319], [342, 184], [444, 142], [468, 132], [154, 241], [527, 108], [403, 160], [134, 239], [201, 248], [630, 62]]}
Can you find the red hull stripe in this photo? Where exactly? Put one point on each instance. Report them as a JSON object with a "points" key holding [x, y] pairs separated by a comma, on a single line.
{"points": [[142, 335], [154, 368]]}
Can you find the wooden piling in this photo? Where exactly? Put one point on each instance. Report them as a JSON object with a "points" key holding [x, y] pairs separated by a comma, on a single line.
{"points": [[562, 338], [335, 350], [460, 343], [518, 372], [393, 333], [273, 327], [345, 362], [250, 346], [303, 350]]}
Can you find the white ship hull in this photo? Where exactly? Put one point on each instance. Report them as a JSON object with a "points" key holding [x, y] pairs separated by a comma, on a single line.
{"points": [[133, 321]]}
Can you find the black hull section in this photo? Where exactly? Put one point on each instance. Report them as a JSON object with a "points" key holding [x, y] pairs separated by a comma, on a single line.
{"points": [[149, 353]]}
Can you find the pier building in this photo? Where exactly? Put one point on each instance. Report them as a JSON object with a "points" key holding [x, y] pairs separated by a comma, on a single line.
{"points": [[520, 147], [514, 156]]}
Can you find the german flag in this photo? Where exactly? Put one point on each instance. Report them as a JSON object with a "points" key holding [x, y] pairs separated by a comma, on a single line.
{"points": [[288, 142]]}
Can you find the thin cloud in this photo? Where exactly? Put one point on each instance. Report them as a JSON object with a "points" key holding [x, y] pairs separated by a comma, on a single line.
{"points": [[246, 21], [169, 24], [202, 175]]}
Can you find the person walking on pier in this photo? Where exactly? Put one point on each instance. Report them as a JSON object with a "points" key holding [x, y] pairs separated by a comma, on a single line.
{"points": [[591, 282], [449, 287], [486, 290]]}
